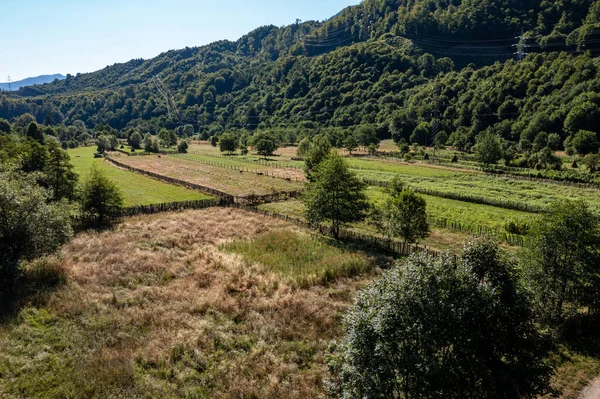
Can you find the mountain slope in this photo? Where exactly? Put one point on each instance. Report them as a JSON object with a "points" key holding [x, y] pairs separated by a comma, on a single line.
{"points": [[371, 64], [38, 80]]}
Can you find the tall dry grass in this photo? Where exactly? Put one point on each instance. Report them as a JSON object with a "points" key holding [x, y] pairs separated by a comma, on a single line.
{"points": [[154, 309]]}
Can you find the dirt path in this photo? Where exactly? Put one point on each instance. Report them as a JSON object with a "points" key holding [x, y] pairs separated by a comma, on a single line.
{"points": [[592, 391]]}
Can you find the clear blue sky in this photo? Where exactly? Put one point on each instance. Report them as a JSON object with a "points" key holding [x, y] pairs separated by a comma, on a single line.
{"points": [[69, 36]]}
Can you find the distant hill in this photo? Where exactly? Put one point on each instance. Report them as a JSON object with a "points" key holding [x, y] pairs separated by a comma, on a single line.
{"points": [[38, 80]]}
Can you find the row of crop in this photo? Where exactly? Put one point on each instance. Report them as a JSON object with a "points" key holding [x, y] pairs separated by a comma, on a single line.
{"points": [[239, 168], [518, 206], [271, 164], [563, 177]]}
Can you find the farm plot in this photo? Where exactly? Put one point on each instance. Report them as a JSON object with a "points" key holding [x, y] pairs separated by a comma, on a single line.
{"points": [[227, 180], [137, 189], [270, 168], [534, 194]]}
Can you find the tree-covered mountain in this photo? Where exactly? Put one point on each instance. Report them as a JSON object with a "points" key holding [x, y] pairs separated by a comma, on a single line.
{"points": [[443, 65], [38, 80]]}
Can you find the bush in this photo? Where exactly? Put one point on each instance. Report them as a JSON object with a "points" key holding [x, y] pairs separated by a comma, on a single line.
{"points": [[515, 226], [442, 328]]}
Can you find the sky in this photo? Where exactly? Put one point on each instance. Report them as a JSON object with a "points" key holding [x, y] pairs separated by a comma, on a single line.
{"points": [[43, 37]]}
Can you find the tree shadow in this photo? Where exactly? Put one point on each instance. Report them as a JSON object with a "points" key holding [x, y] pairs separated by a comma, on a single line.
{"points": [[581, 334], [32, 287]]}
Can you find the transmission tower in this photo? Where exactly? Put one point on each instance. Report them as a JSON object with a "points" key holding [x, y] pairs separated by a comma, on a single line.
{"points": [[521, 46], [9, 83]]}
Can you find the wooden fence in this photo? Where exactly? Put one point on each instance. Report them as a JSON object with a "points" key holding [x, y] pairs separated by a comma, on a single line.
{"points": [[380, 243], [79, 222]]}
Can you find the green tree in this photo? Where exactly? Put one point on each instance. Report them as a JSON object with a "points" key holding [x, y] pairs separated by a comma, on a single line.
{"points": [[183, 146], [335, 196], [420, 134], [319, 149], [303, 147], [151, 143], [585, 142], [264, 144], [214, 140], [135, 140], [403, 214], [350, 143], [562, 262], [32, 225], [442, 328], [100, 197], [228, 142], [59, 174], [34, 132], [554, 141], [103, 143], [488, 149], [366, 135]]}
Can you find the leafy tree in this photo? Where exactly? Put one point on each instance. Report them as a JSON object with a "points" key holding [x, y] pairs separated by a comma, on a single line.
{"points": [[135, 140], [183, 146], [554, 141], [303, 147], [585, 142], [34, 132], [59, 174], [488, 149], [228, 142], [366, 135], [33, 156], [421, 134], [168, 138], [103, 143], [214, 140], [32, 225], [350, 143], [541, 141], [264, 144], [442, 328], [100, 197], [403, 214], [562, 262], [188, 131], [319, 149], [335, 196], [151, 143]]}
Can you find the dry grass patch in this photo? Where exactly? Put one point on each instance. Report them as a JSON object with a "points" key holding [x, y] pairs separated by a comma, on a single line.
{"points": [[154, 309]]}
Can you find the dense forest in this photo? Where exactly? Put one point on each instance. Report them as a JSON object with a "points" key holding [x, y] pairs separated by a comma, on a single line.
{"points": [[438, 65]]}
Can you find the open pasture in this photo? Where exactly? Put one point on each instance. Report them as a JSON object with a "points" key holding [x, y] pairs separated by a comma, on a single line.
{"points": [[137, 189]]}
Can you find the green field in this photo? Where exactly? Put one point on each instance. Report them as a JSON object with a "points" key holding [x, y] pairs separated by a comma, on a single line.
{"points": [[137, 189]]}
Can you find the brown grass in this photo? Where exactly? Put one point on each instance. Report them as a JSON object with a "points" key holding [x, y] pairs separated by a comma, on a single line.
{"points": [[230, 181], [153, 309]]}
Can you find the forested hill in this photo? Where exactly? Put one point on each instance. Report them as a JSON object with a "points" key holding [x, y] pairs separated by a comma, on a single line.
{"points": [[395, 65]]}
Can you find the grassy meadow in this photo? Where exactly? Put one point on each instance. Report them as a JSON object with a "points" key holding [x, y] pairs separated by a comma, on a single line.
{"points": [[137, 189], [160, 307]]}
